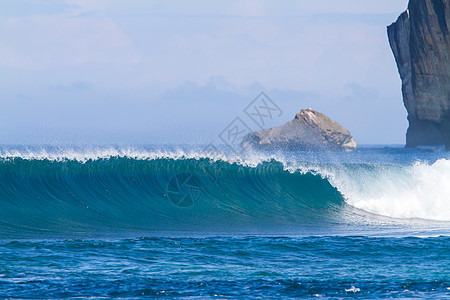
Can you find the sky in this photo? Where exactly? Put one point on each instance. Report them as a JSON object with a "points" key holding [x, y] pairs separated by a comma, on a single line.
{"points": [[178, 72]]}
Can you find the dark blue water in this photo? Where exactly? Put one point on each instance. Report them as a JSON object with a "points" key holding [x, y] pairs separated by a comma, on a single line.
{"points": [[136, 222], [227, 267]]}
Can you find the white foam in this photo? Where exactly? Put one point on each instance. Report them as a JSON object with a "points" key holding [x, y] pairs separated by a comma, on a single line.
{"points": [[418, 191], [353, 289], [251, 159], [85, 154]]}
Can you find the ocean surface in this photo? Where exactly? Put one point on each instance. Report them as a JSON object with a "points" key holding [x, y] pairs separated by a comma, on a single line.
{"points": [[179, 221]]}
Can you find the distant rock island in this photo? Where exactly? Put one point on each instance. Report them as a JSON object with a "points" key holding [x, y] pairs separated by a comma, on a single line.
{"points": [[310, 130], [420, 41]]}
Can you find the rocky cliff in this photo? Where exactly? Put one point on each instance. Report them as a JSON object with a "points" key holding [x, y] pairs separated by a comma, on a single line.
{"points": [[310, 130], [420, 41]]}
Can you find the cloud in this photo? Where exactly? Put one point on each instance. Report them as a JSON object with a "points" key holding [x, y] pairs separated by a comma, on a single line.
{"points": [[247, 8], [52, 41], [21, 8], [78, 86], [80, 8], [303, 7]]}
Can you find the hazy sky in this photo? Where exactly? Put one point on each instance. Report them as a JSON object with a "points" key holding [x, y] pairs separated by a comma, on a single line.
{"points": [[87, 71]]}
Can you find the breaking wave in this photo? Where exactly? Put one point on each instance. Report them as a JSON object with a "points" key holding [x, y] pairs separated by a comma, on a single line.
{"points": [[120, 190]]}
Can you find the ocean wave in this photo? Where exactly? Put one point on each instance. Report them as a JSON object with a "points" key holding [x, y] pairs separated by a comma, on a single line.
{"points": [[159, 194], [103, 189]]}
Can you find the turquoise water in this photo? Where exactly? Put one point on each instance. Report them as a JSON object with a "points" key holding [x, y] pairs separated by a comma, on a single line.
{"points": [[160, 222]]}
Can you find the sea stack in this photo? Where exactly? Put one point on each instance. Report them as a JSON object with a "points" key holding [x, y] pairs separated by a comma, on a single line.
{"points": [[420, 41], [310, 130]]}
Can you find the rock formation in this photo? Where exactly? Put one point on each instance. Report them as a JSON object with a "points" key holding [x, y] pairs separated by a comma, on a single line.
{"points": [[420, 41], [310, 130]]}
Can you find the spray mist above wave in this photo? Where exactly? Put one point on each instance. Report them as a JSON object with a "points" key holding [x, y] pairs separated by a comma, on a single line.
{"points": [[84, 154]]}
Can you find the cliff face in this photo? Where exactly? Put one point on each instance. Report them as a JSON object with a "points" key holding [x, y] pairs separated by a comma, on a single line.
{"points": [[420, 41], [310, 130]]}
